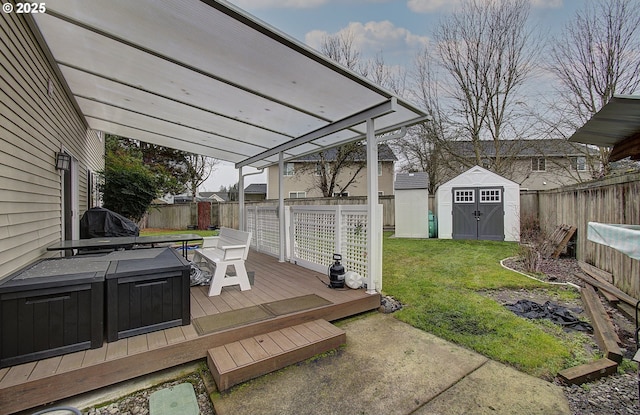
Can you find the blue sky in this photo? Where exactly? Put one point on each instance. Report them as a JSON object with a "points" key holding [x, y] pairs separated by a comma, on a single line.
{"points": [[396, 28]]}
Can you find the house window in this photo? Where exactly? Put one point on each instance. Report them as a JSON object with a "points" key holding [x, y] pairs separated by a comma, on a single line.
{"points": [[379, 168], [319, 168], [579, 163], [297, 195], [341, 194], [464, 196], [380, 193], [490, 195], [538, 164], [289, 169]]}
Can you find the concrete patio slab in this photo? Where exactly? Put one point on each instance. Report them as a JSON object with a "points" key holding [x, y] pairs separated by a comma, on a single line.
{"points": [[389, 367]]}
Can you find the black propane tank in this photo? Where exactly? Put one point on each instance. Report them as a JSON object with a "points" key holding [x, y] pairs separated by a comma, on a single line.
{"points": [[336, 273]]}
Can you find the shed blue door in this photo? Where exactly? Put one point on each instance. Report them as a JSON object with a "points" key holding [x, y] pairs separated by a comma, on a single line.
{"points": [[478, 213]]}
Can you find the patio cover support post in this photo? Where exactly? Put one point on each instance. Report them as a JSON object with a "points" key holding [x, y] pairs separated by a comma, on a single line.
{"points": [[281, 218], [241, 224], [372, 209]]}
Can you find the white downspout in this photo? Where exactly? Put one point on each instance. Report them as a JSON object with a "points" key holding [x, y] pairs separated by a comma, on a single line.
{"points": [[241, 215], [372, 208], [241, 220], [281, 218]]}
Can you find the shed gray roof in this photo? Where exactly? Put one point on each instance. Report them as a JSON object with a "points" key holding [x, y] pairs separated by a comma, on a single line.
{"points": [[256, 188], [409, 181]]}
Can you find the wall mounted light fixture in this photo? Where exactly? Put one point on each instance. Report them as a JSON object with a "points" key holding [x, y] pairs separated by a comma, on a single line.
{"points": [[63, 161]]}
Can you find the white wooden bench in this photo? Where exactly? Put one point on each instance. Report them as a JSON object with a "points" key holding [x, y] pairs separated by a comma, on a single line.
{"points": [[231, 247]]}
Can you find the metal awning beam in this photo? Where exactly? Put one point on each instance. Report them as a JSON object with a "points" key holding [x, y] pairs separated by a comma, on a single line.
{"points": [[376, 111]]}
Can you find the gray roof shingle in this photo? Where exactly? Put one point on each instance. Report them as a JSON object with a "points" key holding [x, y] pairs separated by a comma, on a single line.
{"points": [[409, 181]]}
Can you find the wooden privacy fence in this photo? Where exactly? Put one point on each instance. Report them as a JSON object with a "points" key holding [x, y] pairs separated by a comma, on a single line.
{"points": [[181, 216], [613, 200]]}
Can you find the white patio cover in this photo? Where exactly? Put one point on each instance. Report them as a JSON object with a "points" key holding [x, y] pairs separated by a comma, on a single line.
{"points": [[205, 77], [623, 238]]}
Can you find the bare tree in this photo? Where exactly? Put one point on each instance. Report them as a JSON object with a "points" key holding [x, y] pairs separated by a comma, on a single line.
{"points": [[334, 170], [596, 56], [340, 48], [487, 52], [421, 148], [198, 170]]}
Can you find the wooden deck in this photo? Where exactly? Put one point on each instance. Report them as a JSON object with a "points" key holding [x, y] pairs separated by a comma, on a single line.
{"points": [[32, 384]]}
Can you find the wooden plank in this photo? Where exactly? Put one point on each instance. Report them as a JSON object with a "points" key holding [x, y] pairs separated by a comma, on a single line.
{"points": [[156, 339], [71, 361], [174, 335], [17, 374], [603, 329], [569, 231], [295, 337], [588, 372], [94, 356], [268, 344], [238, 353], [225, 378], [46, 367], [281, 340], [609, 288], [224, 361], [308, 333], [595, 272], [253, 347], [137, 344], [116, 349]]}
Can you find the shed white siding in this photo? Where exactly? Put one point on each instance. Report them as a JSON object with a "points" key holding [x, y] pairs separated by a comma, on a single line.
{"points": [[479, 177], [37, 120], [412, 205]]}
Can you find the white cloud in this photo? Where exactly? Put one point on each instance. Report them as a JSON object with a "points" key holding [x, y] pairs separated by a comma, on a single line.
{"points": [[429, 6], [279, 4], [373, 37]]}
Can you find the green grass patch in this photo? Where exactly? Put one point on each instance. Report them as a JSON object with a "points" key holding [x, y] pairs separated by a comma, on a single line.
{"points": [[439, 283]]}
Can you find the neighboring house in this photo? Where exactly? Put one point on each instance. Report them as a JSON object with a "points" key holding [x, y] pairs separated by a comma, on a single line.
{"points": [[534, 164], [219, 197], [40, 204], [202, 197], [255, 191], [300, 179]]}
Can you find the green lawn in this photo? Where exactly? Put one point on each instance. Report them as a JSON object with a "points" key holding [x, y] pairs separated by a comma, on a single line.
{"points": [[439, 283]]}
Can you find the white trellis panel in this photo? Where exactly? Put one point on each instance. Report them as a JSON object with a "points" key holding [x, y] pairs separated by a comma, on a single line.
{"points": [[315, 233], [264, 226]]}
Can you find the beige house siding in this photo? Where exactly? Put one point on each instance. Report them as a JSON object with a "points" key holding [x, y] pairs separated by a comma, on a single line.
{"points": [[37, 121], [304, 181], [557, 173]]}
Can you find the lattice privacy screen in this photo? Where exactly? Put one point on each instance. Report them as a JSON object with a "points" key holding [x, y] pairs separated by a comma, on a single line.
{"points": [[263, 224]]}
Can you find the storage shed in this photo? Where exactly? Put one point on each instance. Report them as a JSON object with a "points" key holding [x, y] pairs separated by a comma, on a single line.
{"points": [[412, 205], [479, 204]]}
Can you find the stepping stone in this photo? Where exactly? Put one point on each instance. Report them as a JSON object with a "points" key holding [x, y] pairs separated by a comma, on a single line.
{"points": [[177, 400]]}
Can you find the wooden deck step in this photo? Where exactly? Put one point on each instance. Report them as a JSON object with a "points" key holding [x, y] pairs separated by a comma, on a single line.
{"points": [[246, 359]]}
